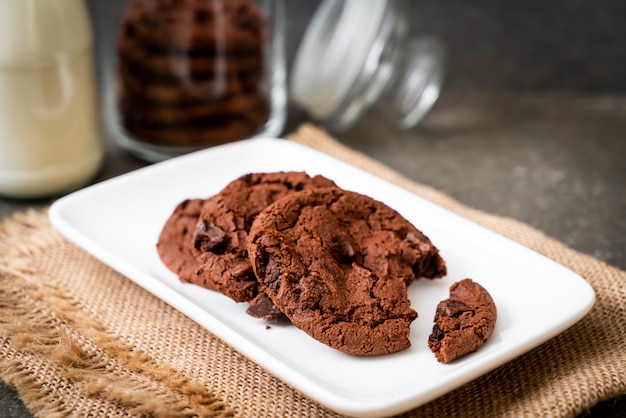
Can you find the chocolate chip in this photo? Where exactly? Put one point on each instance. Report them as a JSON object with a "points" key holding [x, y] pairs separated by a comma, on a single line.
{"points": [[272, 275], [208, 236], [455, 308], [437, 334], [342, 249], [263, 307], [203, 16]]}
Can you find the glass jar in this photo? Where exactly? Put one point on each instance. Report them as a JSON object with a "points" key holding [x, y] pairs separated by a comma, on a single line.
{"points": [[181, 75], [49, 131], [357, 55]]}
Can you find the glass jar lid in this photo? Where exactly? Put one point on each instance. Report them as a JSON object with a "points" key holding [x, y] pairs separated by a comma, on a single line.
{"points": [[356, 51]]}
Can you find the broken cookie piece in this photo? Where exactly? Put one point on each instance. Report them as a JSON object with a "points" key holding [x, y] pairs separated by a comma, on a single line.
{"points": [[463, 322], [337, 264]]}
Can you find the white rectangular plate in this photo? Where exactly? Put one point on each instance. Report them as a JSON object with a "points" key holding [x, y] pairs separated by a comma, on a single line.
{"points": [[119, 220]]}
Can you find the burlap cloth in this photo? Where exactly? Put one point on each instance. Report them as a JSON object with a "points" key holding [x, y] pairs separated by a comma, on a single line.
{"points": [[79, 339]]}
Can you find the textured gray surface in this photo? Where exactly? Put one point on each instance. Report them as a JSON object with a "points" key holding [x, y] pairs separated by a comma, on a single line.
{"points": [[531, 124], [10, 404], [554, 161]]}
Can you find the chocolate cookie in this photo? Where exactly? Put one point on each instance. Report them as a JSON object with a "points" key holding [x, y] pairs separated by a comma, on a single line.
{"points": [[337, 264], [203, 25], [194, 114], [194, 64], [221, 237], [463, 322], [193, 137], [141, 84], [174, 244]]}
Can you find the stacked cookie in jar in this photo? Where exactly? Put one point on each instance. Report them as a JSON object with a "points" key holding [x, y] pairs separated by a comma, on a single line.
{"points": [[195, 73]]}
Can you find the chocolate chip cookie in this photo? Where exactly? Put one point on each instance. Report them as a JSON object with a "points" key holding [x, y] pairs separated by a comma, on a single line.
{"points": [[337, 264], [463, 322], [221, 235], [175, 241]]}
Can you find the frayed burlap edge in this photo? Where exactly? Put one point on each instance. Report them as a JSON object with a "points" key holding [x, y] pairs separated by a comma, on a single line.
{"points": [[79, 339], [65, 362]]}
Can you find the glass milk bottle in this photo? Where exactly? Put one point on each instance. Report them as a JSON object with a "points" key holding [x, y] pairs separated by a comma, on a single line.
{"points": [[49, 136]]}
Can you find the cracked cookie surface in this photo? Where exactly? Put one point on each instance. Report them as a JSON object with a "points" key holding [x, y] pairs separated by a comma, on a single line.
{"points": [[221, 235], [338, 263]]}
